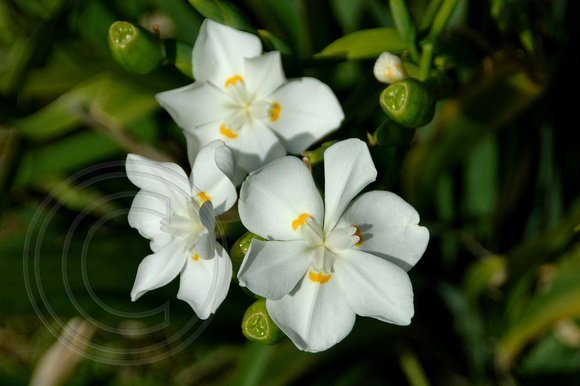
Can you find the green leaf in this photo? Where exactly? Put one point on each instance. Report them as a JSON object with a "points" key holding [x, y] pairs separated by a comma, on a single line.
{"points": [[556, 299], [462, 124], [369, 43]]}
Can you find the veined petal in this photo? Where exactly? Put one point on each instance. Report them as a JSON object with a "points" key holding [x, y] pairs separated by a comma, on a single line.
{"points": [[264, 74], [374, 287], [159, 268], [348, 168], [194, 105], [388, 226], [219, 52], [211, 176], [274, 199], [272, 269], [314, 315], [165, 179], [309, 110], [204, 284]]}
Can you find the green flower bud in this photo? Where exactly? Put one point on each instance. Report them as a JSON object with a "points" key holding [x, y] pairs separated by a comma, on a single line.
{"points": [[134, 48], [408, 102], [238, 251], [258, 326]]}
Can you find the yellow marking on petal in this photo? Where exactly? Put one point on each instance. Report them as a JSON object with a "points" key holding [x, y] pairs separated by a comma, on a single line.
{"points": [[196, 257], [357, 233], [300, 220], [233, 80], [203, 197], [318, 277], [275, 111], [227, 133]]}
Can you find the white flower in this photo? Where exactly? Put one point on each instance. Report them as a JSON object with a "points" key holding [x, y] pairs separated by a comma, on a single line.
{"points": [[325, 262], [244, 99], [177, 215], [389, 68]]}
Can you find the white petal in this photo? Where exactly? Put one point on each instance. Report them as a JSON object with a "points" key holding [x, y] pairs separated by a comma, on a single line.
{"points": [[194, 105], [309, 110], [204, 284], [165, 179], [206, 244], [256, 146], [159, 268], [374, 287], [348, 168], [147, 210], [219, 52], [272, 269], [314, 316], [212, 173], [273, 197], [388, 226], [264, 74]]}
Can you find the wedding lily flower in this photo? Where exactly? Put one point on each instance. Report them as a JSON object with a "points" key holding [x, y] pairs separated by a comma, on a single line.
{"points": [[325, 262], [177, 214], [244, 99]]}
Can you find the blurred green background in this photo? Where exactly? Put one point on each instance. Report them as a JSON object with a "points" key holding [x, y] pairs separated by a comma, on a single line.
{"points": [[495, 177]]}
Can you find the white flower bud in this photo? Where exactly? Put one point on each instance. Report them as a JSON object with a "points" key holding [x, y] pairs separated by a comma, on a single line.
{"points": [[389, 68]]}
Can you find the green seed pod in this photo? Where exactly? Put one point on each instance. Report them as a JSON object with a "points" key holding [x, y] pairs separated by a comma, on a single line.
{"points": [[134, 48], [258, 326], [408, 102], [239, 249]]}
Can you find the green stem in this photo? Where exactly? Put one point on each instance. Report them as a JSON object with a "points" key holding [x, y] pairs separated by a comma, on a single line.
{"points": [[253, 364], [405, 25], [413, 370], [426, 61], [441, 19], [430, 13]]}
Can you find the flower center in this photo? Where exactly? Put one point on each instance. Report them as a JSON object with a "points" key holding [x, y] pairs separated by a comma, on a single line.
{"points": [[245, 108], [187, 225], [325, 245]]}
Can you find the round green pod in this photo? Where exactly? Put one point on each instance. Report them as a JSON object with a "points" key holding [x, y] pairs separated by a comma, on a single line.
{"points": [[408, 102], [258, 326], [134, 48]]}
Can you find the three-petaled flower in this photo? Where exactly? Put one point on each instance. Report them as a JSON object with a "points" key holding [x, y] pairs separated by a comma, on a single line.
{"points": [[325, 262], [244, 99], [178, 215]]}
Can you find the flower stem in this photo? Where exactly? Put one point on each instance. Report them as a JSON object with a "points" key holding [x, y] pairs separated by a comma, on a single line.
{"points": [[426, 60], [253, 364]]}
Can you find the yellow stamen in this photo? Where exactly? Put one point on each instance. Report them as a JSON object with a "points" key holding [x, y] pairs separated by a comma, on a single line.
{"points": [[227, 132], [357, 233], [300, 220], [318, 277], [275, 111], [203, 197], [196, 257], [233, 80]]}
